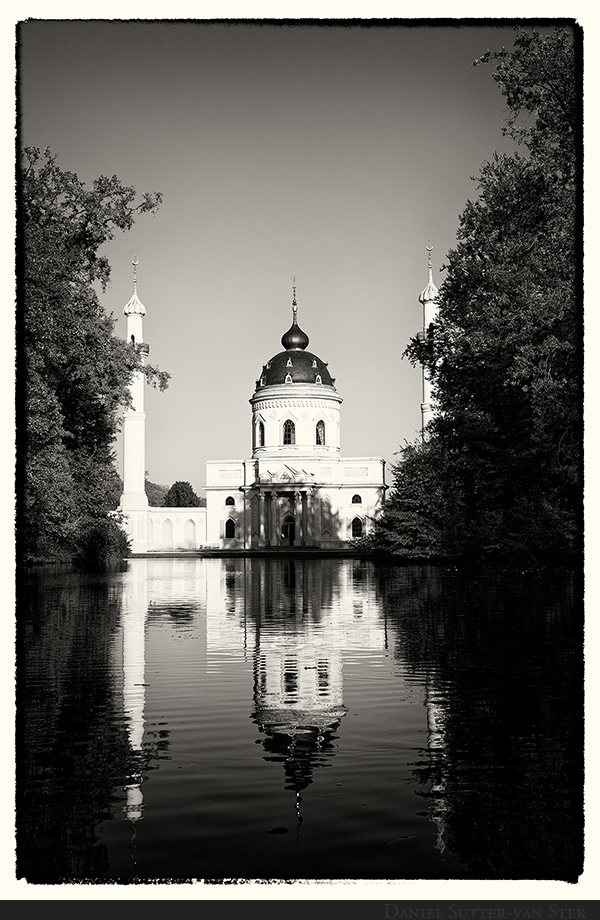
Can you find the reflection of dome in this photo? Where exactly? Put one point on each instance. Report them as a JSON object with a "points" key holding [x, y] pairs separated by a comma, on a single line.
{"points": [[300, 740]]}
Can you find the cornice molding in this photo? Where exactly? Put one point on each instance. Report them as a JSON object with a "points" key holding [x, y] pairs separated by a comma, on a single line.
{"points": [[261, 404]]}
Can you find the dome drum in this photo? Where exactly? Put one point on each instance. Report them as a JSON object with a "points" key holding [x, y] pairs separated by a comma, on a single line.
{"points": [[308, 425]]}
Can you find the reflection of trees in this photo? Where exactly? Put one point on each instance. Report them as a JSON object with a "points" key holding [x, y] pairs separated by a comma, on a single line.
{"points": [[74, 743], [65, 693], [501, 658]]}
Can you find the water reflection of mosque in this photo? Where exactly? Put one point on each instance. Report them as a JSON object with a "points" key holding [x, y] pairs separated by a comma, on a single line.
{"points": [[300, 618], [294, 619]]}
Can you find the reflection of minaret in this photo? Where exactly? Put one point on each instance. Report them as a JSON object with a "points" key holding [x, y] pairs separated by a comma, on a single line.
{"points": [[428, 298], [437, 745], [135, 608]]}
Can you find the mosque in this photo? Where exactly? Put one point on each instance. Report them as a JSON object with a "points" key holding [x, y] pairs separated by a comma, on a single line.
{"points": [[295, 492]]}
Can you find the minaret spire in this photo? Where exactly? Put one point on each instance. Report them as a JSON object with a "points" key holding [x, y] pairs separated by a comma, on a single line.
{"points": [[430, 293], [134, 305], [428, 298]]}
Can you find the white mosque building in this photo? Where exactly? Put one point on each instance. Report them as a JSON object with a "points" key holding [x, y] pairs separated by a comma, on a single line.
{"points": [[295, 491]]}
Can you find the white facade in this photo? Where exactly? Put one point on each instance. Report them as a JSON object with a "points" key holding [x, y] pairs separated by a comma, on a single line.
{"points": [[176, 529], [300, 501], [295, 491]]}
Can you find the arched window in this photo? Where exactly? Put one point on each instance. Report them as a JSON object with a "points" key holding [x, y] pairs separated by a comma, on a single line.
{"points": [[230, 500], [189, 534], [318, 379], [289, 432], [320, 433], [167, 534], [133, 340], [261, 434], [357, 528], [229, 529], [356, 500]]}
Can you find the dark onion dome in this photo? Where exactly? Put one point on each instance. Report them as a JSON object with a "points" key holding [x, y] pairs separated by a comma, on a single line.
{"points": [[295, 364], [294, 338]]}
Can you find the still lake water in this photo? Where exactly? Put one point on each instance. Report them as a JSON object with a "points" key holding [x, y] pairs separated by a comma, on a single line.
{"points": [[298, 719]]}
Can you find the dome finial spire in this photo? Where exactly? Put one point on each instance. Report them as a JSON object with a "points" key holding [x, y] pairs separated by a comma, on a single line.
{"points": [[294, 338], [294, 304]]}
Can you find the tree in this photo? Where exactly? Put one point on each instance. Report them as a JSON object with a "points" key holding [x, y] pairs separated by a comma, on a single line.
{"points": [[181, 495], [503, 456], [156, 493], [73, 372]]}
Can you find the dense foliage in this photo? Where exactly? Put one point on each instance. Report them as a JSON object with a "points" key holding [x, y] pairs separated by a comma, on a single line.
{"points": [[155, 493], [500, 468], [181, 495], [73, 372]]}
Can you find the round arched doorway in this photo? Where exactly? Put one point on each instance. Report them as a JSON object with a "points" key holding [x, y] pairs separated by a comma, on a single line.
{"points": [[288, 531]]}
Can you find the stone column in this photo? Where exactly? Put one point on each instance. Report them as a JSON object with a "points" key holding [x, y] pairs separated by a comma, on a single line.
{"points": [[305, 528], [245, 519], [271, 540], [267, 518], [275, 521], [298, 517], [261, 518]]}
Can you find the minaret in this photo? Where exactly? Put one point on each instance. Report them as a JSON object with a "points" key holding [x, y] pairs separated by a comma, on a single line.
{"points": [[428, 298], [134, 502]]}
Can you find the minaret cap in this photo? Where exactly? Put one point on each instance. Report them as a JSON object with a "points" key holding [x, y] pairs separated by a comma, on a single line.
{"points": [[134, 305], [430, 293]]}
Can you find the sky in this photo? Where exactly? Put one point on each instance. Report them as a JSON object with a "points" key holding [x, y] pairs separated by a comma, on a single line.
{"points": [[332, 152]]}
